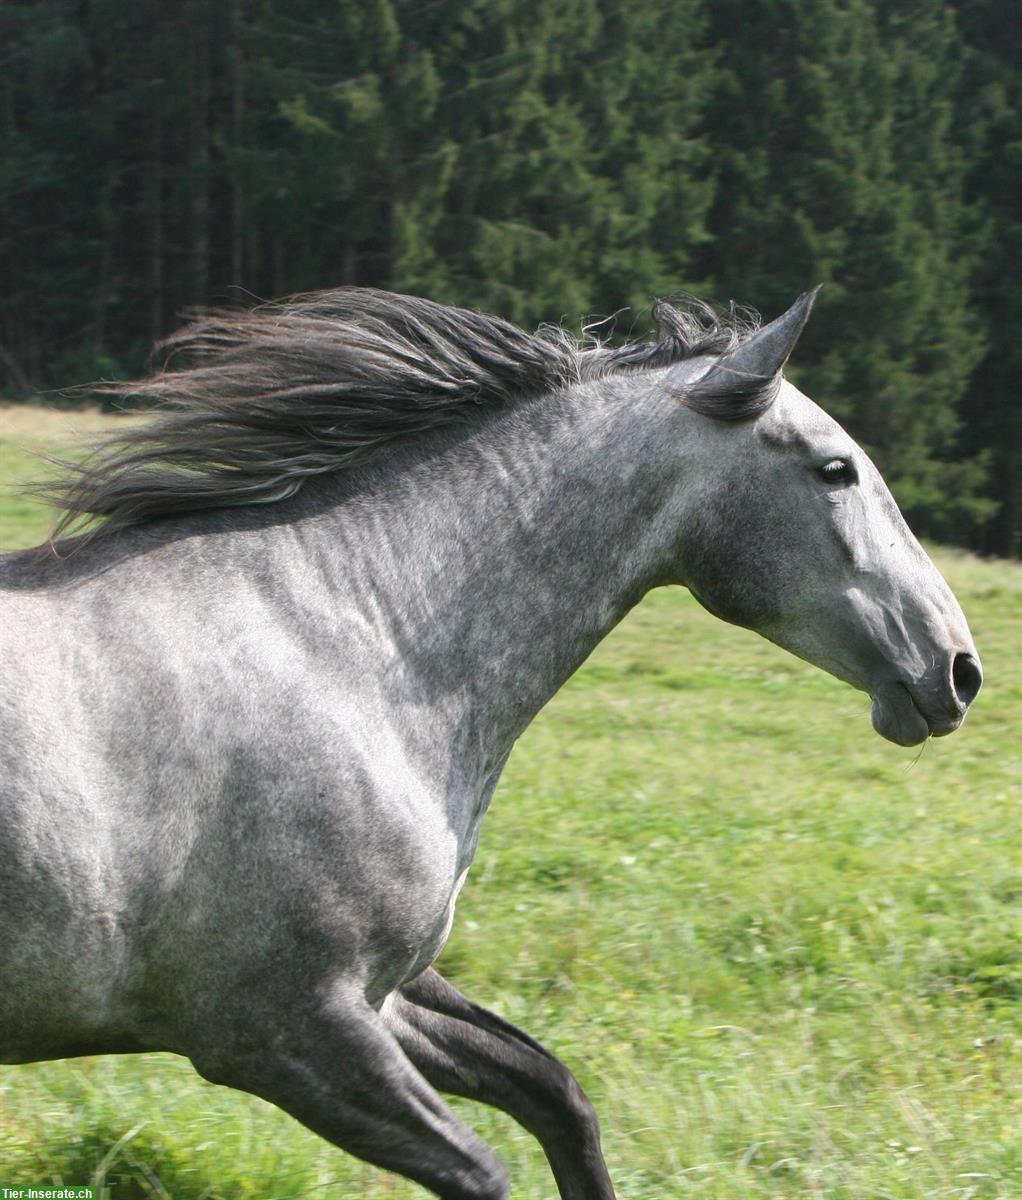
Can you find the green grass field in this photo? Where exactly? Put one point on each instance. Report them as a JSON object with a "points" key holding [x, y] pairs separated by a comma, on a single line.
{"points": [[782, 954]]}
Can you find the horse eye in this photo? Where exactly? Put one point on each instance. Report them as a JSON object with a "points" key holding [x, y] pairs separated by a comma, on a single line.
{"points": [[838, 470]]}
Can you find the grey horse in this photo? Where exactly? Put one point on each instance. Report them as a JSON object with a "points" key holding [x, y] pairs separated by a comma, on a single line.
{"points": [[252, 716]]}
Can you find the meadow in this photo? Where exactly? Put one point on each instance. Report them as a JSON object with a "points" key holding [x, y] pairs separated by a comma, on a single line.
{"points": [[782, 955]]}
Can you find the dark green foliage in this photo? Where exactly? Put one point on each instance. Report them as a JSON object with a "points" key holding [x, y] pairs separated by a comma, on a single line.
{"points": [[991, 135], [846, 172], [541, 161]]}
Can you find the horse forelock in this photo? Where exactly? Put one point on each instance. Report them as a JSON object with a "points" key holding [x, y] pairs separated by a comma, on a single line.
{"points": [[252, 403]]}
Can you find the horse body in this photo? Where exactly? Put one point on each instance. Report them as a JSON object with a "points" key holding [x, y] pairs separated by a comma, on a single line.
{"points": [[249, 750], [211, 723], [364, 663]]}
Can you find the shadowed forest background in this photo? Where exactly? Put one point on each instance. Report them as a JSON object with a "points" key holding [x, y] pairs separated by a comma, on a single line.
{"points": [[542, 161]]}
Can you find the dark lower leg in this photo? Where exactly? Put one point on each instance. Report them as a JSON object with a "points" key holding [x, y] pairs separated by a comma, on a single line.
{"points": [[467, 1051], [347, 1079]]}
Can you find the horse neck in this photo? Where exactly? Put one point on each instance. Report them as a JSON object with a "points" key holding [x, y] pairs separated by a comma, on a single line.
{"points": [[496, 565]]}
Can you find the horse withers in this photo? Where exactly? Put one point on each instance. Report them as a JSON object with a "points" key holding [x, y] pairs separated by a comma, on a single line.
{"points": [[252, 719]]}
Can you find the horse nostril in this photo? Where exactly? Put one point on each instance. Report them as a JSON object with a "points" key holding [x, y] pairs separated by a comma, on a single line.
{"points": [[967, 677]]}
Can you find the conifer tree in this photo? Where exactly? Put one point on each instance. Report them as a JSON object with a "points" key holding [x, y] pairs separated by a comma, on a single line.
{"points": [[541, 159], [989, 101], [832, 129]]}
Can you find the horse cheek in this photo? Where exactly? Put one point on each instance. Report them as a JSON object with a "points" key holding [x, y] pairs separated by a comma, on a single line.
{"points": [[735, 556]]}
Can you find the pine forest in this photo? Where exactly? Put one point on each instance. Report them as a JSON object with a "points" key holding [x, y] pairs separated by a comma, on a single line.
{"points": [[564, 161]]}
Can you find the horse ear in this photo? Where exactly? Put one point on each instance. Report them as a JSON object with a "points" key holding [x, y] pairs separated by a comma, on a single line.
{"points": [[764, 354]]}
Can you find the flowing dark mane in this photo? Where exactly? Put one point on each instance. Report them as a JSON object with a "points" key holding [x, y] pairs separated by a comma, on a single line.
{"points": [[253, 403]]}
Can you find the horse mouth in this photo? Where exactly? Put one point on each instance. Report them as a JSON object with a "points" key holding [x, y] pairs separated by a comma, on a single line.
{"points": [[898, 717]]}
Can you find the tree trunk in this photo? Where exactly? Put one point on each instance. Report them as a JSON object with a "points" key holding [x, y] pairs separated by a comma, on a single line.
{"points": [[199, 160], [238, 140], [156, 230]]}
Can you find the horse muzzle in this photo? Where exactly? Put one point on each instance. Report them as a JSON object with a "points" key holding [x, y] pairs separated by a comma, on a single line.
{"points": [[909, 713]]}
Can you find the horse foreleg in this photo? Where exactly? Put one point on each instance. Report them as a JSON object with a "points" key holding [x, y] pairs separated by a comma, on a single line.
{"points": [[344, 1075], [467, 1051]]}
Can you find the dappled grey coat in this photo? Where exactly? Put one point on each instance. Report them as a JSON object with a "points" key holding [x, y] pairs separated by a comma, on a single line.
{"points": [[250, 724]]}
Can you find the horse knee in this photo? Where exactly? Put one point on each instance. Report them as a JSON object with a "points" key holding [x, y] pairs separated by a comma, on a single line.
{"points": [[560, 1093], [578, 1108]]}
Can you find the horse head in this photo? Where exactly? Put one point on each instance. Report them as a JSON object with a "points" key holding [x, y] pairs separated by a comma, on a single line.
{"points": [[794, 533]]}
